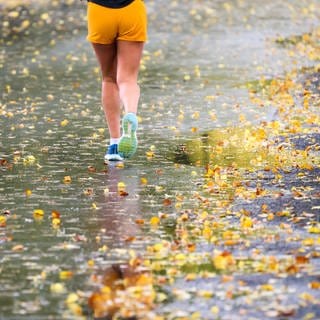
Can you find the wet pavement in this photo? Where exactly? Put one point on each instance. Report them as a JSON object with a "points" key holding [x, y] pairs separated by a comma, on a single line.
{"points": [[65, 216]]}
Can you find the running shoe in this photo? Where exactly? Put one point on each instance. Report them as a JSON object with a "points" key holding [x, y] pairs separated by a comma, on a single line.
{"points": [[113, 154], [128, 142]]}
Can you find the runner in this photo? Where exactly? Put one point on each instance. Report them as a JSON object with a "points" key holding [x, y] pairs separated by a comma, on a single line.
{"points": [[117, 30]]}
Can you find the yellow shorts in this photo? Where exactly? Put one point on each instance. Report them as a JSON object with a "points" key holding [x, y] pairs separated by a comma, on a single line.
{"points": [[106, 25]]}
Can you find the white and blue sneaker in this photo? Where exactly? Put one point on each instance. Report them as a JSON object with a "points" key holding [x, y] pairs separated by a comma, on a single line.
{"points": [[128, 142], [113, 154]]}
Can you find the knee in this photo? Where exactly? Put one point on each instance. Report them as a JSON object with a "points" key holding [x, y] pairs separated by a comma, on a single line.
{"points": [[131, 82], [109, 79]]}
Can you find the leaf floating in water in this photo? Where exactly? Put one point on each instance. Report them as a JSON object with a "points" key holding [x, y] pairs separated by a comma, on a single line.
{"points": [[123, 193], [167, 202], [3, 162], [92, 169], [55, 219], [314, 285], [246, 222], [88, 192], [64, 123], [121, 186], [66, 274], [57, 288], [38, 214], [122, 189], [154, 221], [55, 214], [18, 247], [3, 221], [67, 179], [29, 160], [139, 221]]}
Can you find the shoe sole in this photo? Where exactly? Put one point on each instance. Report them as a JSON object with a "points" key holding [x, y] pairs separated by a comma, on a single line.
{"points": [[113, 157], [128, 142]]}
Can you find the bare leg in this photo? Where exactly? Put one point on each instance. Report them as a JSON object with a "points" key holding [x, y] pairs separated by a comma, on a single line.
{"points": [[107, 58], [129, 54]]}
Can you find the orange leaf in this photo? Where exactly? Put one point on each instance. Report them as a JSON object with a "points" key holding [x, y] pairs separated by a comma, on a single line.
{"points": [[55, 214], [139, 221], [167, 202]]}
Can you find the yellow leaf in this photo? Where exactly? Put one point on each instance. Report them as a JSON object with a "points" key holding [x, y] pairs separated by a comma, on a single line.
{"points": [[205, 294], [314, 285], [270, 216], [195, 115], [75, 308], [210, 98], [246, 222], [13, 14], [18, 247], [90, 263], [44, 16], [223, 261], [67, 179], [28, 160], [207, 232], [180, 117], [308, 242], [266, 287], [157, 247], [180, 257], [94, 206], [64, 122], [38, 214], [190, 276], [25, 24], [314, 229], [66, 274], [3, 221], [57, 288], [242, 118], [120, 165], [307, 296], [104, 248], [309, 316], [56, 222], [214, 310], [154, 221], [195, 315], [72, 298], [121, 186]]}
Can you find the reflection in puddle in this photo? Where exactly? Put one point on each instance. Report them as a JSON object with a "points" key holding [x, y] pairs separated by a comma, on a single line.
{"points": [[233, 146], [120, 205]]}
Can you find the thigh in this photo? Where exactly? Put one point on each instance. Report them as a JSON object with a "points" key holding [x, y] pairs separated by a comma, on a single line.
{"points": [[107, 58], [129, 55]]}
